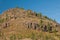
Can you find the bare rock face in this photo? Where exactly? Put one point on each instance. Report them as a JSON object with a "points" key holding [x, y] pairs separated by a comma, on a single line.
{"points": [[16, 14], [6, 25], [32, 25]]}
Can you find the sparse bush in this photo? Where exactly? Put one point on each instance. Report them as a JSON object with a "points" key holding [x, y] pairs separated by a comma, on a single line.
{"points": [[17, 6], [49, 27], [13, 37], [7, 17], [1, 34], [29, 13], [19, 36], [33, 36], [22, 8], [43, 36], [39, 15], [46, 17], [41, 22], [55, 31], [49, 18], [1, 20], [47, 37], [54, 20], [36, 14]]}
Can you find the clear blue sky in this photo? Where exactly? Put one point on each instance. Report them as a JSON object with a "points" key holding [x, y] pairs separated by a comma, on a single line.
{"points": [[50, 8]]}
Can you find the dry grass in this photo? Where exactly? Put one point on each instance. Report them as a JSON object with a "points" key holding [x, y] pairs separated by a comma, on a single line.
{"points": [[17, 29]]}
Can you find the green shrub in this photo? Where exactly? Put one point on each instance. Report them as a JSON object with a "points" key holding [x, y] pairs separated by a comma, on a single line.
{"points": [[33, 36], [1, 34], [41, 22], [49, 27], [1, 20], [19, 36], [55, 31], [46, 17], [7, 17], [49, 37], [49, 18], [39, 15], [13, 37]]}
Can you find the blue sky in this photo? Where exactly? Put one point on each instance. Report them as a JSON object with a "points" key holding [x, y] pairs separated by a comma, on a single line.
{"points": [[50, 8]]}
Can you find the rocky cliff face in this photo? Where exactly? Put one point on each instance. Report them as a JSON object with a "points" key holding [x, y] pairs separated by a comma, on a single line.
{"points": [[18, 20]]}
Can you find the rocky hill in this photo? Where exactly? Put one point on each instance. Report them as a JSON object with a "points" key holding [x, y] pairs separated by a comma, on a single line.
{"points": [[20, 24]]}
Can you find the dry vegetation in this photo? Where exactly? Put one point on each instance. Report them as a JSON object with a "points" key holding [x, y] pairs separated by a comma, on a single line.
{"points": [[20, 24]]}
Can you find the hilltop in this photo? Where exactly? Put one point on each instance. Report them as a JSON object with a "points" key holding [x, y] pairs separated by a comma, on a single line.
{"points": [[18, 24]]}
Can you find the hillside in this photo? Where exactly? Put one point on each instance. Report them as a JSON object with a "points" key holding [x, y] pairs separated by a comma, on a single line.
{"points": [[20, 24]]}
